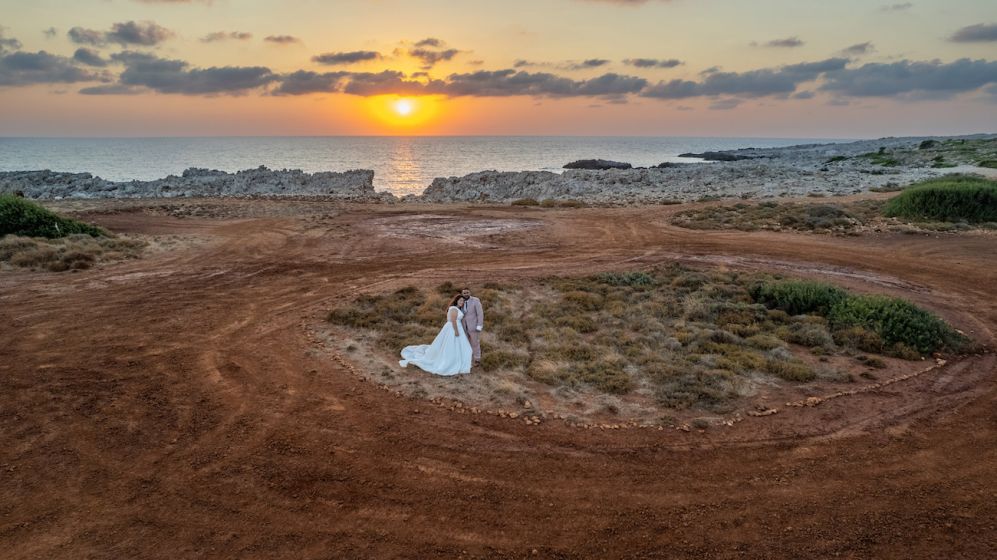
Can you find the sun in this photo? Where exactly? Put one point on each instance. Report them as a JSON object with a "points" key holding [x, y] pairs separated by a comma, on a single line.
{"points": [[403, 107], [406, 113]]}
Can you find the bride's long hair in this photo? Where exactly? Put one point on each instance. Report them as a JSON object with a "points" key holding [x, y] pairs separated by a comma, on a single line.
{"points": [[453, 302]]}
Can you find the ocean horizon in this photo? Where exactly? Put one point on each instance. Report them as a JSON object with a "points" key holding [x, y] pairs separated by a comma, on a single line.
{"points": [[402, 164]]}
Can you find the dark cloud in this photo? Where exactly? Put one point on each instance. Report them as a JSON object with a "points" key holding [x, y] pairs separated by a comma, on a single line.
{"points": [[653, 62], [83, 36], [523, 63], [585, 64], [303, 82], [111, 89], [8, 42], [858, 49], [752, 83], [725, 104], [430, 42], [281, 39], [145, 33], [226, 36], [502, 83], [430, 58], [175, 76], [389, 81], [789, 42], [24, 68], [50, 33], [906, 78], [350, 57], [804, 95], [979, 33], [89, 57], [897, 7]]}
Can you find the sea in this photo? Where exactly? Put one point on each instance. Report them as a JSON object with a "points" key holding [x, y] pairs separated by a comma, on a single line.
{"points": [[401, 164]]}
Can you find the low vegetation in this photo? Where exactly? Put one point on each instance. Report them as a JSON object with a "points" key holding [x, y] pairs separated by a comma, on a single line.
{"points": [[19, 216], [776, 216], [34, 237], [947, 203], [683, 337], [73, 252], [952, 198]]}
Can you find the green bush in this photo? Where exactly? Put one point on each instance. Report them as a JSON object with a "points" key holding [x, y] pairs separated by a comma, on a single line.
{"points": [[631, 279], [950, 198], [896, 321], [25, 218], [797, 297]]}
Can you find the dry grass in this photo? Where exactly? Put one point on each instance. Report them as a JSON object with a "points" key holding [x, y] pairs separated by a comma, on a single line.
{"points": [[849, 218], [683, 337], [73, 252]]}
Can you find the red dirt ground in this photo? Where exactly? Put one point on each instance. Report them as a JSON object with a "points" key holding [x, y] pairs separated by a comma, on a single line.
{"points": [[178, 407]]}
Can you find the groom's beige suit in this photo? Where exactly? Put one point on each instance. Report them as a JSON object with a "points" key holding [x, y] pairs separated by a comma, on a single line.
{"points": [[474, 321]]}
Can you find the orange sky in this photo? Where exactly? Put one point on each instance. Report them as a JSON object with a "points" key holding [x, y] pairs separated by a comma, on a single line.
{"points": [[710, 67]]}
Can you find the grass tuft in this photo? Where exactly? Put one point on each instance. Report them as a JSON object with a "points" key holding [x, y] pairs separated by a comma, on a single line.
{"points": [[949, 198]]}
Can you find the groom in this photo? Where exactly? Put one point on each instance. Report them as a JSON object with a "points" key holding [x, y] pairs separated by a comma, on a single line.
{"points": [[474, 320]]}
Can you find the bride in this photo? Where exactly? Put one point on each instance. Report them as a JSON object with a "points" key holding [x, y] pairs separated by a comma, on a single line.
{"points": [[450, 352]]}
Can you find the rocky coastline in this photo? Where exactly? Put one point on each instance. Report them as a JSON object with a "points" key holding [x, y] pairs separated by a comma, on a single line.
{"points": [[810, 169]]}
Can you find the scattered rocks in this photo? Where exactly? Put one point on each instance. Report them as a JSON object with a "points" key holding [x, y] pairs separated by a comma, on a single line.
{"points": [[597, 164]]}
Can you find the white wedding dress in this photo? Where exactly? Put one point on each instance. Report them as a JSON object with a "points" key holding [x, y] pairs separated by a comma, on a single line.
{"points": [[447, 355]]}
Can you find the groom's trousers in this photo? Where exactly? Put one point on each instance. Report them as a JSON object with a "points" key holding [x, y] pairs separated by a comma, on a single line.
{"points": [[474, 337]]}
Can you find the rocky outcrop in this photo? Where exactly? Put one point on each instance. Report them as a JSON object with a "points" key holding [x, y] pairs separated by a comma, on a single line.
{"points": [[717, 156], [597, 164], [356, 185]]}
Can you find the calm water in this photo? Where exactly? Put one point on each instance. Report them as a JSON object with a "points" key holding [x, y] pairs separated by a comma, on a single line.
{"points": [[401, 165]]}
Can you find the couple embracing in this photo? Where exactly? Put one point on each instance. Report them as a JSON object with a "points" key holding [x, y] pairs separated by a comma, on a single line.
{"points": [[458, 343]]}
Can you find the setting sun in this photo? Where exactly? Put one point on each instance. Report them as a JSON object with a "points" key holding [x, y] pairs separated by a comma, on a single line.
{"points": [[403, 112], [403, 107]]}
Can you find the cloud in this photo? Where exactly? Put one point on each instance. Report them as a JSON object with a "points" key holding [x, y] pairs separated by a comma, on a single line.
{"points": [[111, 89], [126, 33], [431, 42], [753, 83], [979, 33], [503, 83], [858, 49], [304, 82], [82, 36], [725, 104], [653, 62], [789, 42], [351, 57], [89, 57], [897, 7], [430, 58], [226, 35], [175, 76], [804, 95], [144, 33], [8, 42], [50, 33], [907, 79], [24, 68], [281, 39], [484, 83], [585, 64]]}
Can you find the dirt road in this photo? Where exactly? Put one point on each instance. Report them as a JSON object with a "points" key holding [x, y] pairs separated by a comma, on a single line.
{"points": [[176, 407]]}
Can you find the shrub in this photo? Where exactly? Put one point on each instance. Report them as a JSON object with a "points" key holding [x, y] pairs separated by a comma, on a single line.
{"points": [[526, 202], [790, 370], [73, 252], [492, 359], [949, 198], [23, 217], [896, 321], [810, 335], [632, 279], [796, 297]]}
